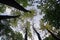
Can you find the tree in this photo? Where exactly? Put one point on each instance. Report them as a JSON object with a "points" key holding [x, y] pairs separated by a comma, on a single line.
{"points": [[52, 12], [27, 30], [6, 30], [14, 4], [2, 17], [49, 29], [7, 20], [26, 34], [37, 33], [14, 19], [53, 35]]}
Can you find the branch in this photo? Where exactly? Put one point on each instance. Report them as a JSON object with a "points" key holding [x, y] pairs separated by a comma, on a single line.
{"points": [[14, 4], [8, 17], [53, 34]]}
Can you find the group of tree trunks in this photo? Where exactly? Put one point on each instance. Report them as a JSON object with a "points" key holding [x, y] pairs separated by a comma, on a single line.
{"points": [[38, 35], [53, 35], [14, 4]]}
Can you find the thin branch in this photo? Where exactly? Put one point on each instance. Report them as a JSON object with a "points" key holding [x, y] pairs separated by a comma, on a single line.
{"points": [[8, 17]]}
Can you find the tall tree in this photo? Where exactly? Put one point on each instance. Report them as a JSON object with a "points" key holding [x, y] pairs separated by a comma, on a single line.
{"points": [[37, 33], [14, 4], [27, 30], [5, 29], [49, 28], [8, 16], [26, 34], [56, 37]]}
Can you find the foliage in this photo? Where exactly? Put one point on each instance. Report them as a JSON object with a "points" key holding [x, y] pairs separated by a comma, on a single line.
{"points": [[28, 29], [52, 12], [49, 29], [47, 25], [14, 22], [28, 15], [6, 30], [2, 8], [17, 36], [24, 2], [49, 38]]}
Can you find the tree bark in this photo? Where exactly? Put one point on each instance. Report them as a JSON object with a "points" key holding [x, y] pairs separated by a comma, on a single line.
{"points": [[26, 34], [14, 4], [53, 35], [37, 33], [8, 17]]}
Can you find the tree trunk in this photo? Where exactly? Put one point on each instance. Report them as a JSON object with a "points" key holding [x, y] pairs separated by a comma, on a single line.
{"points": [[53, 35], [37, 33], [8, 17], [14, 4], [26, 34]]}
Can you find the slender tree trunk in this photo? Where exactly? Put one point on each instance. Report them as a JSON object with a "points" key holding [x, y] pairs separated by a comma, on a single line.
{"points": [[37, 33], [8, 17], [53, 34], [26, 34], [14, 4]]}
